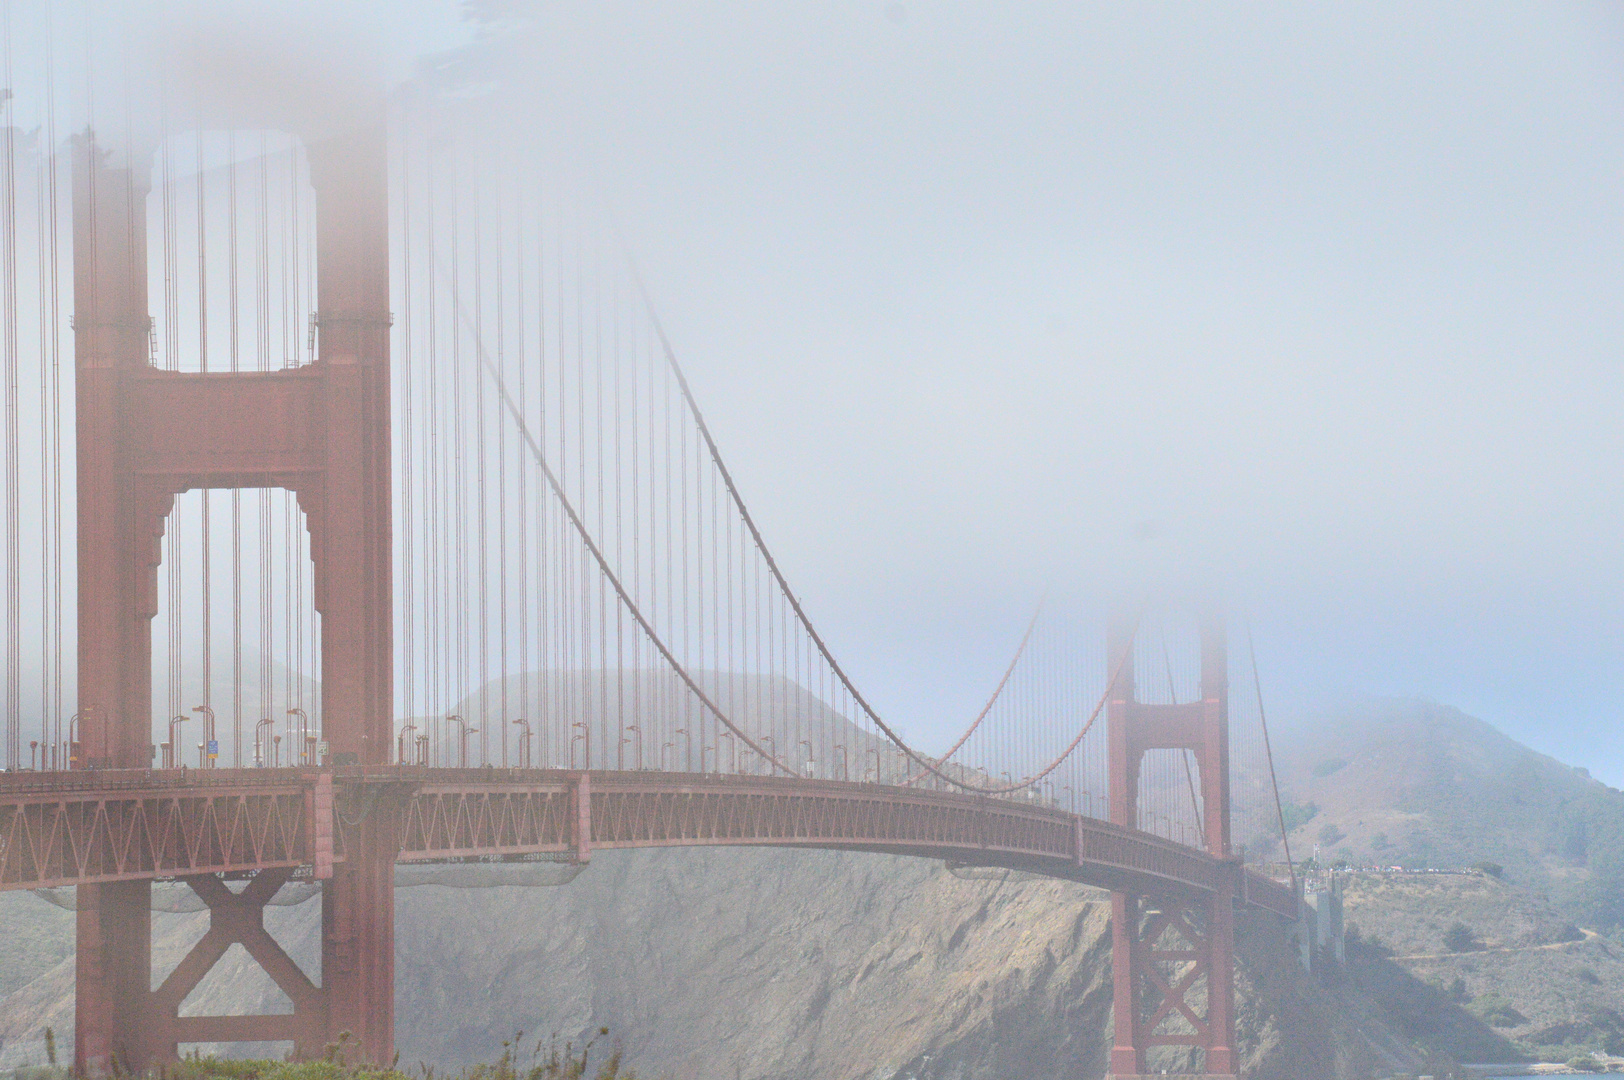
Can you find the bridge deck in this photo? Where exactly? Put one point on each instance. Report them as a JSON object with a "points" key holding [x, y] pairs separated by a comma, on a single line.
{"points": [[81, 827]]}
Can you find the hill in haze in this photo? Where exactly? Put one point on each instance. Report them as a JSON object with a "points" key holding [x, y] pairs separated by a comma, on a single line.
{"points": [[1419, 785]]}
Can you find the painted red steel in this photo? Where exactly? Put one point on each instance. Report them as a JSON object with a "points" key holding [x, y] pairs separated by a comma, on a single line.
{"points": [[1145, 996], [236, 918], [144, 436], [76, 828], [84, 828], [113, 832]]}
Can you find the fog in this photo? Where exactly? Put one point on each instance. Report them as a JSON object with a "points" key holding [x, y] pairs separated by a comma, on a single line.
{"points": [[1317, 310]]}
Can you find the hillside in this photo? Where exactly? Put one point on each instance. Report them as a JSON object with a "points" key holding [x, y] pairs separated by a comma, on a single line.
{"points": [[1415, 784], [789, 965], [1418, 785], [770, 964]]}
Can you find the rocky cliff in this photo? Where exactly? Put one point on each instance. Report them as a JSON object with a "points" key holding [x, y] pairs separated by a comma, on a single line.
{"points": [[769, 965]]}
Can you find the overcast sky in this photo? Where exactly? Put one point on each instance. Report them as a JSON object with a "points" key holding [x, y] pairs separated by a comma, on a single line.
{"points": [[1332, 296]]}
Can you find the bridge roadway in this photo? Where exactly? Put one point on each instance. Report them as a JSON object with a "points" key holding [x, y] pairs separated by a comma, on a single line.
{"points": [[88, 826]]}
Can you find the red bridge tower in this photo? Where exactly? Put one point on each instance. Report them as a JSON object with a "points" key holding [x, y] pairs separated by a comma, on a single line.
{"points": [[1167, 952], [145, 435]]}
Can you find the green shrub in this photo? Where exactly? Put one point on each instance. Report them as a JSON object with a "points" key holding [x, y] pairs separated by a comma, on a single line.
{"points": [[1588, 975], [1586, 1063], [1496, 1011], [1297, 816], [1493, 869], [1329, 766], [1461, 938]]}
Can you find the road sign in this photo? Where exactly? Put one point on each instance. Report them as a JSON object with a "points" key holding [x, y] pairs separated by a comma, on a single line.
{"points": [[321, 749]]}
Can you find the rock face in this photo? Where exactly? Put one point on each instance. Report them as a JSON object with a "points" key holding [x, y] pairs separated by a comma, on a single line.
{"points": [[768, 965]]}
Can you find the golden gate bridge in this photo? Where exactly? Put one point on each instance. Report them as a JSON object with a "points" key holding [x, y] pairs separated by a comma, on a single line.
{"points": [[381, 438]]}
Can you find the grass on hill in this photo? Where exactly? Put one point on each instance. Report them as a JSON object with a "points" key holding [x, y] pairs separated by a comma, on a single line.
{"points": [[547, 1061]]}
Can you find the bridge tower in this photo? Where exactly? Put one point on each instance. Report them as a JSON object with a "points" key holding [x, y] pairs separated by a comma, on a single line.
{"points": [[1166, 952], [144, 436]]}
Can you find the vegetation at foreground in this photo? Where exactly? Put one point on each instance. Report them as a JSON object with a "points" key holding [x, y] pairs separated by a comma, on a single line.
{"points": [[547, 1062]]}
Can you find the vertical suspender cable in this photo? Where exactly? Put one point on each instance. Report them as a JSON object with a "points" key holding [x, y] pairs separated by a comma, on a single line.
{"points": [[434, 618], [526, 712], [203, 365], [408, 436], [1268, 750], [262, 362], [501, 482], [53, 270], [236, 492], [8, 268], [481, 571]]}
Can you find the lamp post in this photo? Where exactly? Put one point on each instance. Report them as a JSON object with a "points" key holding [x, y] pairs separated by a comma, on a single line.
{"points": [[423, 749], [73, 742], [845, 766], [703, 750], [810, 766], [276, 751], [400, 744], [772, 748], [259, 759], [524, 741], [463, 731], [875, 750], [733, 747], [171, 748], [586, 737], [210, 747], [687, 750], [304, 731], [663, 749], [639, 751], [33, 747]]}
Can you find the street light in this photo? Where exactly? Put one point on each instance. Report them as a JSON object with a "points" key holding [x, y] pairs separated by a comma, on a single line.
{"points": [[875, 750], [423, 749], [73, 742], [772, 748], [209, 745], [687, 750], [624, 741], [400, 744], [663, 749], [304, 730], [845, 767], [259, 761], [811, 765], [703, 750], [524, 742], [733, 746], [33, 746], [586, 737], [276, 751], [171, 748], [462, 738]]}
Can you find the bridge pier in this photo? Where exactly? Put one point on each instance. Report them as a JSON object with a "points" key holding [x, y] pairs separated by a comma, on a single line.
{"points": [[1168, 953], [144, 435]]}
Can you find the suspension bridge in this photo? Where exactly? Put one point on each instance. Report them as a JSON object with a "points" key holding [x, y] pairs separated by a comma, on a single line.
{"points": [[384, 443]]}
